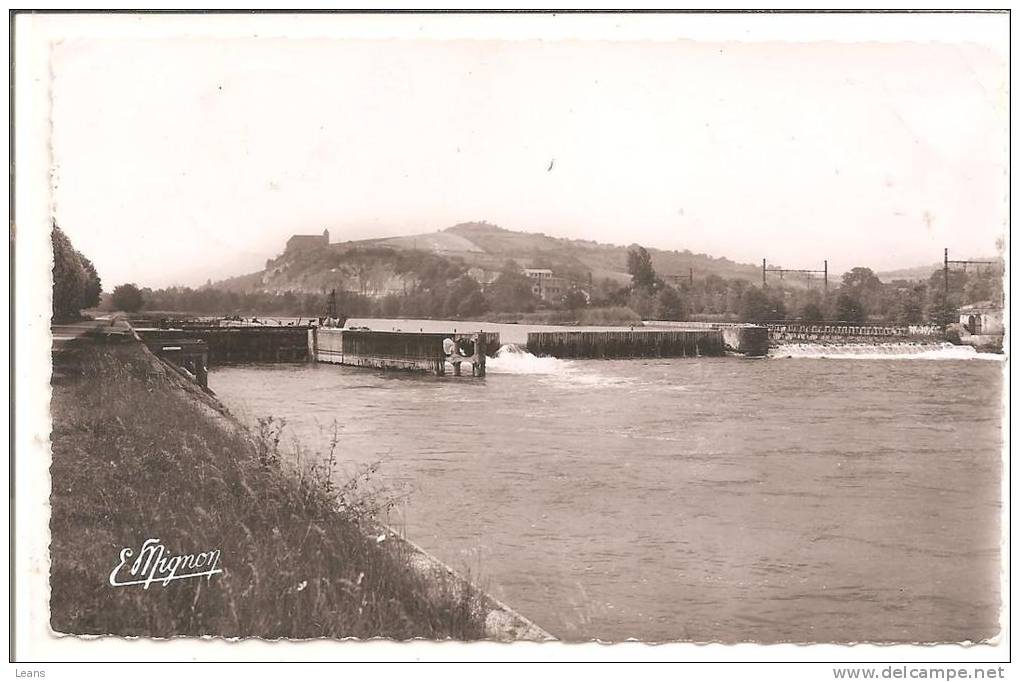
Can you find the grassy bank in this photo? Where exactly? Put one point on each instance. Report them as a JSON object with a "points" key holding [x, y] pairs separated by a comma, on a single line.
{"points": [[140, 453]]}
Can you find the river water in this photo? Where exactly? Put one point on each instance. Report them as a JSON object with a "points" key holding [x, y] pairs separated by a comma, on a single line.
{"points": [[830, 496]]}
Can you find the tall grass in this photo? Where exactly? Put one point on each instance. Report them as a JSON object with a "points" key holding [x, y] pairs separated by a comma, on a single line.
{"points": [[136, 455]]}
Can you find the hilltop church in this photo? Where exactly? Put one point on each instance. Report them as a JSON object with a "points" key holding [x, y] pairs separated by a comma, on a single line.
{"points": [[304, 242]]}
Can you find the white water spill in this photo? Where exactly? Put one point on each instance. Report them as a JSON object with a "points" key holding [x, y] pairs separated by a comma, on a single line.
{"points": [[512, 359], [886, 351]]}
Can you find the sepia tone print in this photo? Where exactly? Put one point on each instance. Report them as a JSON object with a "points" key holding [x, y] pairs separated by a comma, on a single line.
{"points": [[686, 341]]}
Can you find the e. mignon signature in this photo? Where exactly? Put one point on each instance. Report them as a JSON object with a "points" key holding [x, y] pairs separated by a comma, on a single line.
{"points": [[155, 564]]}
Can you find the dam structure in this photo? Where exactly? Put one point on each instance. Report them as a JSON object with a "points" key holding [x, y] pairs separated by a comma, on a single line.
{"points": [[636, 343], [228, 345], [747, 339], [852, 332], [409, 351], [196, 347]]}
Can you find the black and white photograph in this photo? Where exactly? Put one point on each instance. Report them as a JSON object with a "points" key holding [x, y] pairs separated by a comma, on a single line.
{"points": [[572, 332]]}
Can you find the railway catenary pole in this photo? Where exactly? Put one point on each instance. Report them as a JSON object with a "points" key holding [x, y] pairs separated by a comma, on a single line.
{"points": [[946, 262], [782, 271]]}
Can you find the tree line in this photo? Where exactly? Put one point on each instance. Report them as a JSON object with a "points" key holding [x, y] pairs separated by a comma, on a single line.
{"points": [[860, 296], [441, 291], [445, 290]]}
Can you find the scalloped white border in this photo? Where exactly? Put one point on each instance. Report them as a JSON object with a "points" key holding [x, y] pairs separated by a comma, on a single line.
{"points": [[34, 34]]}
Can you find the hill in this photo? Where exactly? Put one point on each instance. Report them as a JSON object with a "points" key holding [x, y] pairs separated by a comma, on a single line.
{"points": [[921, 273], [376, 267]]}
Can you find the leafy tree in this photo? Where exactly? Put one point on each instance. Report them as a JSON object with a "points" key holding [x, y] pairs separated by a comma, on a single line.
{"points": [[574, 299], [861, 279], [69, 277], [639, 265], [863, 291], [812, 312], [473, 304], [128, 298], [76, 284], [511, 292], [984, 285], [642, 301], [758, 306], [669, 305], [734, 295], [911, 309], [849, 308], [93, 285], [391, 306], [464, 297]]}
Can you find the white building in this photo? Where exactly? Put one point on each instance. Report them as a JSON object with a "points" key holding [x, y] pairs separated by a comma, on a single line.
{"points": [[982, 318], [545, 285]]}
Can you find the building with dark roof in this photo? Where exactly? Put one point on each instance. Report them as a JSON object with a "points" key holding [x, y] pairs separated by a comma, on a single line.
{"points": [[303, 242]]}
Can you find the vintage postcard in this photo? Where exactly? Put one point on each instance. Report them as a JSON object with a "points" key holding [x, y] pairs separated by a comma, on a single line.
{"points": [[550, 330]]}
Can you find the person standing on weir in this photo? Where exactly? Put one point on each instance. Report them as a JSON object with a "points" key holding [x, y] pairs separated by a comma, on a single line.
{"points": [[461, 350], [452, 354]]}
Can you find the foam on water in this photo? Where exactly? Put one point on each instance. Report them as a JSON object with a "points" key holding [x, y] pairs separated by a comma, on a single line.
{"points": [[888, 351], [512, 359]]}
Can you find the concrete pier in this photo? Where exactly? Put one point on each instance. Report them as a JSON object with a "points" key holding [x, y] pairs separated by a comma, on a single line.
{"points": [[627, 344], [749, 340], [409, 351]]}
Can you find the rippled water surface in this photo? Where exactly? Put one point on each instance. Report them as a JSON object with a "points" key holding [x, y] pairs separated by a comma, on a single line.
{"points": [[781, 499]]}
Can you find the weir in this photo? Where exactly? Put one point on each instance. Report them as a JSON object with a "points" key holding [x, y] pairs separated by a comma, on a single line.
{"points": [[628, 344], [410, 351], [845, 331], [739, 337], [191, 355], [232, 345]]}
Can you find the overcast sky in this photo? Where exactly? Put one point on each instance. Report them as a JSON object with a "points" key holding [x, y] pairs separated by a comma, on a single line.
{"points": [[178, 161]]}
